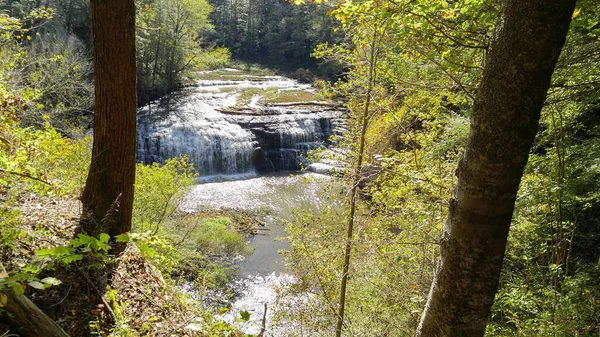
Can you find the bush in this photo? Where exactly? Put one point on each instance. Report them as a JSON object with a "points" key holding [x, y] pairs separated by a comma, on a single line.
{"points": [[216, 237], [159, 190], [304, 75], [41, 161]]}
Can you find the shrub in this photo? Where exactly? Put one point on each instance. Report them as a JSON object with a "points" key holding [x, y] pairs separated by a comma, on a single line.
{"points": [[216, 237], [159, 190]]}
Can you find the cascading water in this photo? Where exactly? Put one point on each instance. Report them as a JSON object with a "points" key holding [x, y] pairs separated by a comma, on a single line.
{"points": [[255, 138], [227, 140], [261, 275]]}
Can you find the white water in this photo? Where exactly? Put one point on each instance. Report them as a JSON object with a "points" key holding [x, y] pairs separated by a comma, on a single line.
{"points": [[219, 144], [189, 125], [262, 274]]}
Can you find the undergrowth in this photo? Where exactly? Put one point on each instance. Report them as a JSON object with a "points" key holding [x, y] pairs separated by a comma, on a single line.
{"points": [[75, 278]]}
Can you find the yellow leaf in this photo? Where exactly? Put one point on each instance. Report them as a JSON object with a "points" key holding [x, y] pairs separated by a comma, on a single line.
{"points": [[576, 13], [449, 14]]}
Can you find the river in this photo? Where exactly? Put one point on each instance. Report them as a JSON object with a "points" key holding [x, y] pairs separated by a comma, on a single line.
{"points": [[245, 135], [262, 273]]}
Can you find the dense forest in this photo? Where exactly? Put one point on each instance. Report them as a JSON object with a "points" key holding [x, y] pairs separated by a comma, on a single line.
{"points": [[462, 196], [276, 33]]}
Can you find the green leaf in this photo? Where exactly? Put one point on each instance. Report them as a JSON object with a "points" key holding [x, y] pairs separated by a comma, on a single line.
{"points": [[244, 315], [37, 285], [3, 299], [146, 250], [43, 252], [123, 237], [104, 237], [71, 258], [18, 289], [60, 251], [51, 281]]}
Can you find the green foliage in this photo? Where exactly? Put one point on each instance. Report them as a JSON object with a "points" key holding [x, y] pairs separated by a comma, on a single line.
{"points": [[215, 237], [43, 74], [155, 248], [168, 40], [113, 300], [429, 61], [398, 225], [159, 190], [244, 316], [41, 161], [76, 250], [61, 74], [9, 230], [213, 58], [207, 248], [48, 259]]}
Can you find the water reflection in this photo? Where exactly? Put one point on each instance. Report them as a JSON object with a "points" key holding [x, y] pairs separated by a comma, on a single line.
{"points": [[262, 273]]}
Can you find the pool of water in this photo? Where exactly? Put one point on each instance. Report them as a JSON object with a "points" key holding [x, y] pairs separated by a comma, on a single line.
{"points": [[261, 274]]}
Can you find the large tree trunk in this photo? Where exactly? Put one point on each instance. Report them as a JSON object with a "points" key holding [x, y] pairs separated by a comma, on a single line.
{"points": [[108, 194], [527, 42]]}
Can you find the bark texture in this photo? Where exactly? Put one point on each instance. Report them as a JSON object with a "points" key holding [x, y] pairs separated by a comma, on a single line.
{"points": [[527, 41], [108, 194], [28, 319]]}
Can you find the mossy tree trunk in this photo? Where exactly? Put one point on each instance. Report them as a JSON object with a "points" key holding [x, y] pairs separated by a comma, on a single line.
{"points": [[521, 58], [108, 194]]}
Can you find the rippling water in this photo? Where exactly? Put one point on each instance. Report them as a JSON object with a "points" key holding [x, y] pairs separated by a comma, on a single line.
{"points": [[262, 273]]}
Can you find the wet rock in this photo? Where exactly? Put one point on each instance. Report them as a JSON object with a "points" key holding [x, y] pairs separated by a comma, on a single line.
{"points": [[223, 138]]}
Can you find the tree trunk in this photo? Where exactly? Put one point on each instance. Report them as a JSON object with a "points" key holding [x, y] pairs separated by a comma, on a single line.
{"points": [[108, 194], [527, 41], [28, 319]]}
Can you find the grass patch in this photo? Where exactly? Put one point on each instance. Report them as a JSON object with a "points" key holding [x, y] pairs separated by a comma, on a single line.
{"points": [[209, 243], [216, 237], [246, 95], [289, 96], [274, 95]]}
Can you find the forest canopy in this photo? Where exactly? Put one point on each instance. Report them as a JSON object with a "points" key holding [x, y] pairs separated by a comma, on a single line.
{"points": [[409, 78]]}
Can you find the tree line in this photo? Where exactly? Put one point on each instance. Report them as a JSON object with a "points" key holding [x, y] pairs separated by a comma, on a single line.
{"points": [[50, 54], [275, 32]]}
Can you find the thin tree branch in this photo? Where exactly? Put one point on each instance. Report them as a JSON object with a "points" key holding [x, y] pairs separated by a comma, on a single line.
{"points": [[25, 175]]}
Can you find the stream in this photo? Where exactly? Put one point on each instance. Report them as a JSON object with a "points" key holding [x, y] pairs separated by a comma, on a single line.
{"points": [[261, 274], [246, 134]]}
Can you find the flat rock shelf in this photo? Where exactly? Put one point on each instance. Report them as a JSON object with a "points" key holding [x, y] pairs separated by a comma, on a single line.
{"points": [[235, 125]]}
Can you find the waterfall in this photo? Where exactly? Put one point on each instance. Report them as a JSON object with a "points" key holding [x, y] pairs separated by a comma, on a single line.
{"points": [[221, 148], [258, 139]]}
